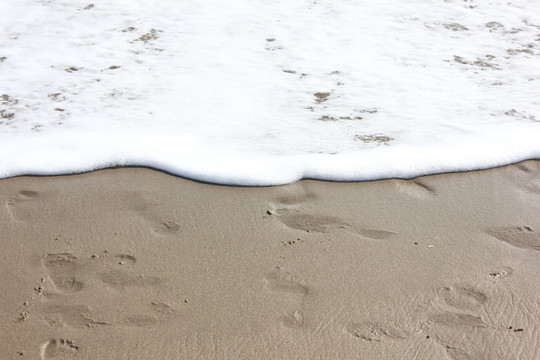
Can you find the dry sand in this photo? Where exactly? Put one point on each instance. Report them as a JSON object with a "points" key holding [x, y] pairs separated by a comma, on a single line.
{"points": [[138, 264]]}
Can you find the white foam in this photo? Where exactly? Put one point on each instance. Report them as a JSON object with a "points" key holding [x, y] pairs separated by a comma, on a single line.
{"points": [[264, 93]]}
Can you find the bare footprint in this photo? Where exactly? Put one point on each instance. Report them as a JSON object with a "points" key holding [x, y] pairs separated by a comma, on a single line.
{"points": [[59, 349], [312, 223], [523, 237], [284, 281], [377, 332], [62, 268], [16, 205], [291, 301], [71, 315], [463, 297], [164, 226], [457, 320], [27, 195]]}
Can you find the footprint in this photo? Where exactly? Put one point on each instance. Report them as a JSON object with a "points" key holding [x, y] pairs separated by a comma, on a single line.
{"points": [[377, 332], [523, 237], [284, 281], [527, 166], [291, 302], [16, 205], [164, 226], [59, 349], [463, 297], [61, 269], [71, 315], [457, 319], [312, 223], [27, 194]]}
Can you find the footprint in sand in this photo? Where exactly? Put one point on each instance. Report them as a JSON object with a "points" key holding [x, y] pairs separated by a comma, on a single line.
{"points": [[324, 224], [456, 299], [283, 281], [59, 349], [452, 319], [311, 223], [18, 207], [62, 269], [463, 297], [71, 315], [523, 237], [293, 296], [164, 226], [293, 216], [106, 271]]}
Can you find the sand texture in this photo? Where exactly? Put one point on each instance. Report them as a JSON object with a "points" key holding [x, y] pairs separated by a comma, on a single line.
{"points": [[138, 264]]}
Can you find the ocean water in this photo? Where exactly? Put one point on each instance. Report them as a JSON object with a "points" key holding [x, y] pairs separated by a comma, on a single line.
{"points": [[256, 92]]}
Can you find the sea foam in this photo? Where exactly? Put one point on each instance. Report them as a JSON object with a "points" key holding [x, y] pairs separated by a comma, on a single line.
{"points": [[265, 93]]}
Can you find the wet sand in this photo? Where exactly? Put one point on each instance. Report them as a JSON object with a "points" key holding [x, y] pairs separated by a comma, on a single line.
{"points": [[138, 264]]}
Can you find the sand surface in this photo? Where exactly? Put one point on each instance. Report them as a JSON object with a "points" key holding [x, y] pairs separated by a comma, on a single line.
{"points": [[137, 264]]}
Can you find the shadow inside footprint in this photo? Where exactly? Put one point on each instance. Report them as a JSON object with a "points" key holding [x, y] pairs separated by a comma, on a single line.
{"points": [[523, 237], [61, 269]]}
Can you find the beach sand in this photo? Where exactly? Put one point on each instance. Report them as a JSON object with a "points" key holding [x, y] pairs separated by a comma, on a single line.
{"points": [[138, 264]]}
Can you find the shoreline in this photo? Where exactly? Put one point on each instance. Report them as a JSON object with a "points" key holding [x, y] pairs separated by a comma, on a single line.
{"points": [[194, 179], [135, 262]]}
